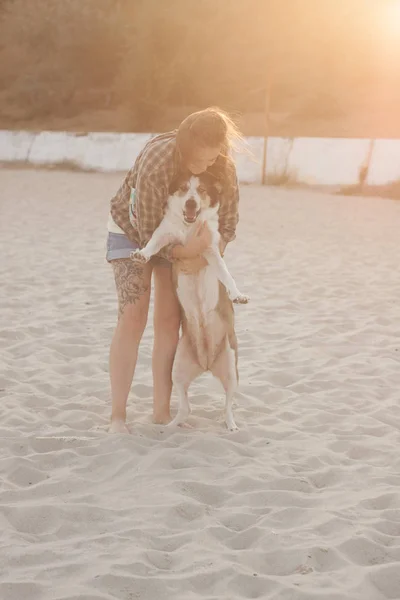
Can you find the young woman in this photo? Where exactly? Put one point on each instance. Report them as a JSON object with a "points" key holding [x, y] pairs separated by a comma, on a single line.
{"points": [[202, 142]]}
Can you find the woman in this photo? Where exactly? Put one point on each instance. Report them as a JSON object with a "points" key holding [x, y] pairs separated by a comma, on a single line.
{"points": [[201, 143]]}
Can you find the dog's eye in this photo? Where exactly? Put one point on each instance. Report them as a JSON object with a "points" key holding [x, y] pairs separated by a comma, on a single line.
{"points": [[201, 189], [184, 187]]}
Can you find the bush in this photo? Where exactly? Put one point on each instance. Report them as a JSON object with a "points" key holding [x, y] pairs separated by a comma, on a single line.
{"points": [[52, 51]]}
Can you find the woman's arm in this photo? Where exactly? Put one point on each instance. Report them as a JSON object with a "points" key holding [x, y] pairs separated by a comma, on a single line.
{"points": [[119, 207], [228, 214], [150, 177], [149, 207]]}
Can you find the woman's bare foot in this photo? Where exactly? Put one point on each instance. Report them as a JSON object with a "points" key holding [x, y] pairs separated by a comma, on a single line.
{"points": [[118, 426], [166, 420], [161, 418]]}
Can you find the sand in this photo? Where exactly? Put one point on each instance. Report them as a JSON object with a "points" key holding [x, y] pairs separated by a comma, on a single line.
{"points": [[302, 503]]}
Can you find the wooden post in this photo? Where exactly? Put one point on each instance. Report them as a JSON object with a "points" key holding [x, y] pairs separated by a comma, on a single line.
{"points": [[363, 171], [267, 110]]}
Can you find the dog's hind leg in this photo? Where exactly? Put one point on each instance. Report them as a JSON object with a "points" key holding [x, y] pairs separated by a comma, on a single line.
{"points": [[185, 370], [224, 368]]}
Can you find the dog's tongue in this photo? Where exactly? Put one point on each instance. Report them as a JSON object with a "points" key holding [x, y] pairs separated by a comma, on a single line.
{"points": [[190, 216]]}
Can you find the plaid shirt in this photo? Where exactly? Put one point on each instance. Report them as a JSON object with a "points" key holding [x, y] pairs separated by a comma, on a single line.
{"points": [[153, 171]]}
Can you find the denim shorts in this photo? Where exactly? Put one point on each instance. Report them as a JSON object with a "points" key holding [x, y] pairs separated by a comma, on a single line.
{"points": [[120, 246]]}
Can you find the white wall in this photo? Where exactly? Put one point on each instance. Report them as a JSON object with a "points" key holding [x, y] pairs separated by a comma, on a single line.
{"points": [[311, 160]]}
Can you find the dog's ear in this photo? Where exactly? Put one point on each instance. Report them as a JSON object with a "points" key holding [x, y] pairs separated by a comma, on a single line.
{"points": [[213, 186]]}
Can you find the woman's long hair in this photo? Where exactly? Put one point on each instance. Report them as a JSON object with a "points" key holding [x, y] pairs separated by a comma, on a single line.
{"points": [[210, 128]]}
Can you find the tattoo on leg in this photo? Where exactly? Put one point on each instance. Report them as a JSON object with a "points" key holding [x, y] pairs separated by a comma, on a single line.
{"points": [[130, 281]]}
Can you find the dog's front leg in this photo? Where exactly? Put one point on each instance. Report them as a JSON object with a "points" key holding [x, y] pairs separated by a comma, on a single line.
{"points": [[160, 238], [215, 260]]}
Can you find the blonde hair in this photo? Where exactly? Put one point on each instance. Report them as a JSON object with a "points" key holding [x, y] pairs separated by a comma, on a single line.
{"points": [[208, 128]]}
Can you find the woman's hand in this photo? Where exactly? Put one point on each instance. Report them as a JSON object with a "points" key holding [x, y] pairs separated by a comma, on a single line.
{"points": [[191, 266], [198, 242], [196, 245]]}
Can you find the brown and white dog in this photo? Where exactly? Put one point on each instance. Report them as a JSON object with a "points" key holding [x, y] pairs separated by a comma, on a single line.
{"points": [[208, 341]]}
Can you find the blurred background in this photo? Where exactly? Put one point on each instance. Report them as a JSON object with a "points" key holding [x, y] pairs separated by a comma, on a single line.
{"points": [[317, 67]]}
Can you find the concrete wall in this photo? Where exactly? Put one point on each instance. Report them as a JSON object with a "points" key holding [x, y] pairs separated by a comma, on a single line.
{"points": [[311, 160]]}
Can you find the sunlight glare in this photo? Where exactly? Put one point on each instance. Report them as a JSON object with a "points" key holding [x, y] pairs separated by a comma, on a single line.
{"points": [[392, 17]]}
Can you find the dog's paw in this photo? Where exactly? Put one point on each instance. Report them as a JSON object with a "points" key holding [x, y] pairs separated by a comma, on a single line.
{"points": [[231, 425], [138, 256], [240, 299]]}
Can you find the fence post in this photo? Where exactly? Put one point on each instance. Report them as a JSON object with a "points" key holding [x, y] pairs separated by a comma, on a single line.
{"points": [[363, 171]]}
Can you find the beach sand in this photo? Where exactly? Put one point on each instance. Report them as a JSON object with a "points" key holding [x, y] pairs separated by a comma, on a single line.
{"points": [[302, 503]]}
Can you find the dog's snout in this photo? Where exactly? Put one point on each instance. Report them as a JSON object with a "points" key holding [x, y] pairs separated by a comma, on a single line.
{"points": [[190, 211], [191, 204]]}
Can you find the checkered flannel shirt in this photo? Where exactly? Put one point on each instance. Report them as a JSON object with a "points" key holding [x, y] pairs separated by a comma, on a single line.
{"points": [[154, 170]]}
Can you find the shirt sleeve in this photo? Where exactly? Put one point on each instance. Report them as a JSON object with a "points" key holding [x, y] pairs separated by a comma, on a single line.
{"points": [[150, 200], [228, 214], [119, 208]]}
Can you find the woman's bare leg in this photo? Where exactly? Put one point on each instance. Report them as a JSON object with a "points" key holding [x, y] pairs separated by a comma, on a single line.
{"points": [[166, 335], [133, 282]]}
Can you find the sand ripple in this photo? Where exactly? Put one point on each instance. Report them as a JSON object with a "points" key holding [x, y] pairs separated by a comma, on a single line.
{"points": [[302, 503]]}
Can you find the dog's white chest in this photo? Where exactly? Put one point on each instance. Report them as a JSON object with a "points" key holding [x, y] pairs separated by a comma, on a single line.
{"points": [[198, 294]]}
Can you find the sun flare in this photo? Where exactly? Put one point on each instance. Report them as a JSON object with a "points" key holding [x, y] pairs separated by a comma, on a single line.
{"points": [[392, 17]]}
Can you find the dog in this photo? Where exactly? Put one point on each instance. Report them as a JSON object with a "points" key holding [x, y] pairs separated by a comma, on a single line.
{"points": [[208, 341], [192, 200]]}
